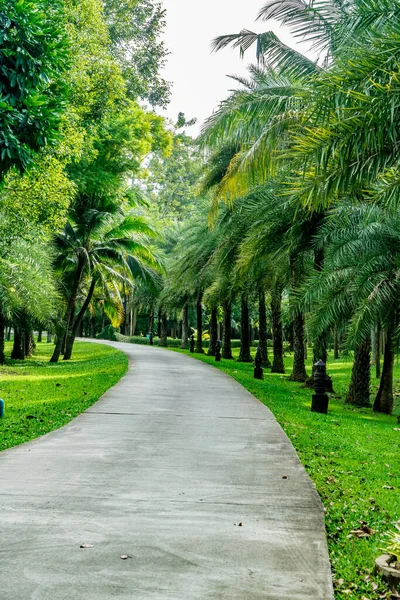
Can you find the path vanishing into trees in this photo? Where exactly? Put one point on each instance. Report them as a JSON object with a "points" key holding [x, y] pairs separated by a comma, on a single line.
{"points": [[180, 469]]}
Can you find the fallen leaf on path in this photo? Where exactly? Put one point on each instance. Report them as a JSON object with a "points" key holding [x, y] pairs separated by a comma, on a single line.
{"points": [[125, 557], [87, 546], [240, 524]]}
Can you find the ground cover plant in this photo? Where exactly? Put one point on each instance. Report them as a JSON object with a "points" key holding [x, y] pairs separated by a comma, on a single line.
{"points": [[353, 457], [41, 396]]}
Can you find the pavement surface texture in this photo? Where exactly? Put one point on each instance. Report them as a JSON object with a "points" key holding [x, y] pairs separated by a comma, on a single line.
{"points": [[179, 469]]}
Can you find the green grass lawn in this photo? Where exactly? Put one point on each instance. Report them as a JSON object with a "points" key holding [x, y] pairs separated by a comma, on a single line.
{"points": [[41, 396], [352, 455]]}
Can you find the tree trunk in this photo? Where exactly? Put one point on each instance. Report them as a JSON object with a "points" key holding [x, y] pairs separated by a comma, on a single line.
{"points": [[29, 342], [299, 367], [151, 321], [359, 389], [78, 320], [9, 334], [263, 339], [226, 334], [2, 335], [213, 331], [276, 317], [377, 353], [18, 352], [199, 313], [164, 330], [384, 398], [245, 354], [60, 333], [70, 313], [159, 317], [134, 320], [39, 337], [336, 343], [185, 327], [49, 337]]}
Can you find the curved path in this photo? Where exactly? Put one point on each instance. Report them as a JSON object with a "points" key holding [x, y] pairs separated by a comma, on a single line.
{"points": [[182, 470]]}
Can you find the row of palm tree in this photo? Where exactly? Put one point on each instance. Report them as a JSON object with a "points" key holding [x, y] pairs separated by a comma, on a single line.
{"points": [[303, 175]]}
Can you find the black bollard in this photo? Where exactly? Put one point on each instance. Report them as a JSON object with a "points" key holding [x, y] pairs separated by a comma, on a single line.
{"points": [[151, 342], [218, 351], [320, 399], [192, 343], [258, 370]]}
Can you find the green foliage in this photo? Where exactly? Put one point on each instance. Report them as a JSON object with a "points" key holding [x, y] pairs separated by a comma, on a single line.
{"points": [[135, 28], [172, 180], [108, 333], [36, 404], [33, 61], [26, 277]]}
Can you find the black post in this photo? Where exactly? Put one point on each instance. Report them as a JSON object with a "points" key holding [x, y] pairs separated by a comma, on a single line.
{"points": [[192, 343], [218, 351], [320, 399], [151, 342], [258, 370]]}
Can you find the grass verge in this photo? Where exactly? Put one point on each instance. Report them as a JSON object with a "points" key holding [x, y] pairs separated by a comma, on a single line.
{"points": [[41, 396], [352, 455]]}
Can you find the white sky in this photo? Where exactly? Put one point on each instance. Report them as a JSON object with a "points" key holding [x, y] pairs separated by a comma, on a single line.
{"points": [[199, 78]]}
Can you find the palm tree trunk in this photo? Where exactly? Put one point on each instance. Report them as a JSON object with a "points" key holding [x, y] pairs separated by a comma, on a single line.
{"points": [[159, 320], [213, 331], [164, 330], [9, 333], [60, 333], [262, 318], [299, 367], [299, 372], [39, 338], [226, 335], [199, 313], [93, 326], [276, 318], [151, 320], [384, 398], [69, 315], [185, 327], [377, 353], [134, 320], [78, 320], [49, 337], [18, 346], [359, 389], [245, 354], [2, 328], [29, 342]]}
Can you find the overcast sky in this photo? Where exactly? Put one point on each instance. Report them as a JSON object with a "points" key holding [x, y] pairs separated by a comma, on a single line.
{"points": [[199, 78]]}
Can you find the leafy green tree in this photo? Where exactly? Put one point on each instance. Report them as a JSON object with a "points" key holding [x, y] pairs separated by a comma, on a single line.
{"points": [[34, 58], [135, 28]]}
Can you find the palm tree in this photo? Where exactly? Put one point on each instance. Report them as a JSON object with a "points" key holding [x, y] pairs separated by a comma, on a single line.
{"points": [[359, 286], [27, 289], [109, 248]]}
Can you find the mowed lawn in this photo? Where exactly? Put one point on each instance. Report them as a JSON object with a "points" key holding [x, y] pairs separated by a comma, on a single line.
{"points": [[352, 455], [40, 396]]}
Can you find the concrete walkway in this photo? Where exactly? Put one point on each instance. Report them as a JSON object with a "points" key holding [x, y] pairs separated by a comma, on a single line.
{"points": [[182, 470]]}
